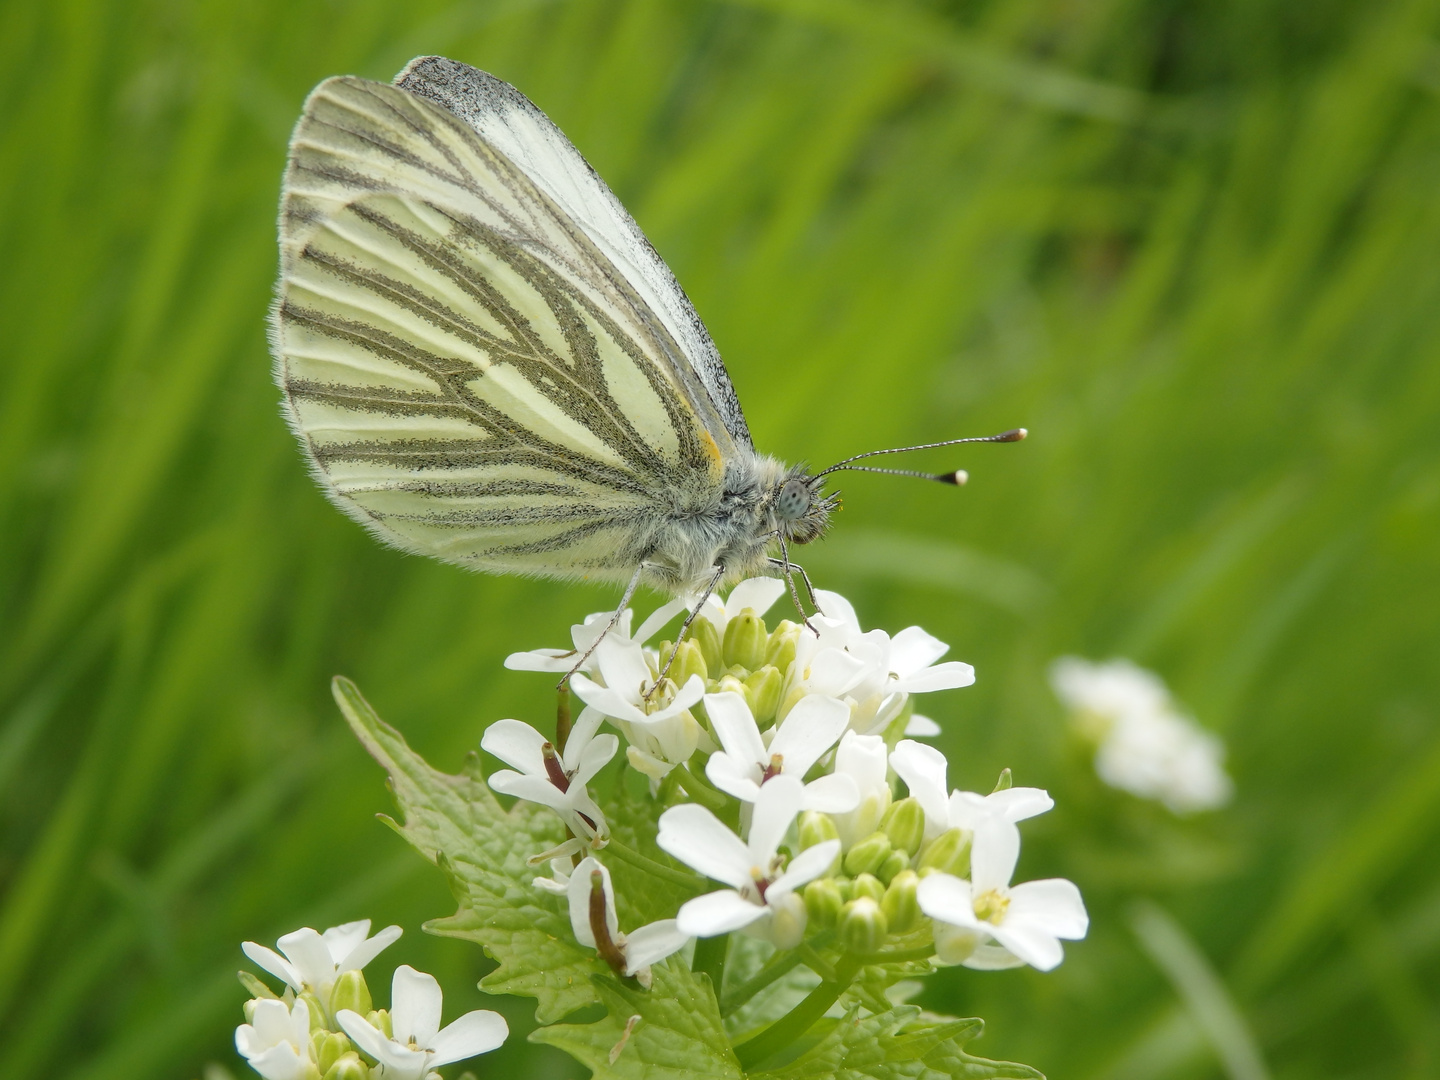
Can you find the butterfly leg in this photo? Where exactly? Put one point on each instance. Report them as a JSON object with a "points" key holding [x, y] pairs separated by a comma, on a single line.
{"points": [[685, 627], [614, 619], [788, 568]]}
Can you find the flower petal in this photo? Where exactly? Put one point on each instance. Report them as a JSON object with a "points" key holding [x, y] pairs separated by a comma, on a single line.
{"points": [[837, 608], [476, 1032], [1052, 904], [1019, 803], [559, 660], [921, 727], [804, 868], [833, 794], [913, 649], [717, 913], [862, 758], [734, 779], [581, 733], [535, 789], [992, 958], [624, 667], [948, 676], [652, 943], [306, 950], [736, 728], [579, 892], [923, 770], [808, 731], [594, 758], [657, 619], [949, 899], [834, 672], [1030, 943], [376, 1043], [993, 854], [608, 702], [517, 744], [415, 1002], [700, 840], [274, 963], [756, 593], [282, 1062], [367, 950], [342, 939], [776, 806]]}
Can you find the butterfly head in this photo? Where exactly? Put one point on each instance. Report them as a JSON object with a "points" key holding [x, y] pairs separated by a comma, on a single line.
{"points": [[799, 512]]}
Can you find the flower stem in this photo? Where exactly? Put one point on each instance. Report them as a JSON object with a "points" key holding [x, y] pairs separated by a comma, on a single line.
{"points": [[650, 866], [797, 1021], [780, 965], [697, 789]]}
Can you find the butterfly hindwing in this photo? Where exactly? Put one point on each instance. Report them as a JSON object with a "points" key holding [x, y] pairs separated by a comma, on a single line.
{"points": [[473, 377]]}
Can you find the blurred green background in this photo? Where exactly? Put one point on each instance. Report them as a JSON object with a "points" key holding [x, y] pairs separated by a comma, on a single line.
{"points": [[1193, 245]]}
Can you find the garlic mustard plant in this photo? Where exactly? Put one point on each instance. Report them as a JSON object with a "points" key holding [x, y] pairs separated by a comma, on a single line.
{"points": [[752, 886]]}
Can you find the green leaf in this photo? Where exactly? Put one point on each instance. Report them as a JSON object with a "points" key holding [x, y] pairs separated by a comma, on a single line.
{"points": [[896, 1045], [678, 1034], [457, 823]]}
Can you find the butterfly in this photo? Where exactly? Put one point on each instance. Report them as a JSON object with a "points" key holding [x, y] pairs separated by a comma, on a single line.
{"points": [[485, 360]]}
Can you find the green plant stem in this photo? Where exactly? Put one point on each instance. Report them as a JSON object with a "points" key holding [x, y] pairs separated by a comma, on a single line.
{"points": [[780, 965], [710, 959], [650, 866], [921, 952], [814, 961], [798, 1020], [698, 789]]}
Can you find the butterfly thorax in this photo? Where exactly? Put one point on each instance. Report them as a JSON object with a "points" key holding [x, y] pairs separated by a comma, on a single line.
{"points": [[735, 528]]}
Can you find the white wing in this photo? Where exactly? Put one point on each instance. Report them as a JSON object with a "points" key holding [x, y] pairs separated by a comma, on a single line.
{"points": [[514, 125], [473, 377]]}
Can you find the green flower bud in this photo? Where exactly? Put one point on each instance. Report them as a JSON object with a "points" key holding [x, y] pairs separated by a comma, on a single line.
{"points": [[380, 1018], [707, 639], [331, 1049], [1005, 781], [787, 922], [730, 684], [866, 856], [866, 885], [862, 926], [762, 691], [904, 823], [948, 852], [901, 908], [897, 861], [745, 639], [816, 828], [348, 1067], [689, 660], [823, 902], [317, 1011], [780, 649], [351, 993]]}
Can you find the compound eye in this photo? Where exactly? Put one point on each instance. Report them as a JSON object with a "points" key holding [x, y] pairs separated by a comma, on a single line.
{"points": [[793, 501]]}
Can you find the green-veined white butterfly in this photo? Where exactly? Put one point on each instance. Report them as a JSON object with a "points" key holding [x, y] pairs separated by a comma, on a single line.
{"points": [[487, 362]]}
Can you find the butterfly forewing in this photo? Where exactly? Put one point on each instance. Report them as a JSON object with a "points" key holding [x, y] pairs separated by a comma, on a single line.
{"points": [[473, 377]]}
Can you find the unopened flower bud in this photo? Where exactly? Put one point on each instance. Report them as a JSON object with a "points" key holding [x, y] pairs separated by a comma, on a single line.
{"points": [[816, 828], [330, 1047], [762, 691], [730, 684], [707, 639], [380, 1018], [348, 1067], [862, 926], [351, 993], [897, 861], [780, 649], [866, 856], [866, 885], [901, 908], [689, 660], [948, 852], [787, 923], [745, 640], [904, 823], [823, 902], [317, 1011]]}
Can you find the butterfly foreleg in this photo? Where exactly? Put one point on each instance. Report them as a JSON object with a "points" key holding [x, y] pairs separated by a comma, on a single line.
{"points": [[614, 620], [789, 569], [685, 627]]}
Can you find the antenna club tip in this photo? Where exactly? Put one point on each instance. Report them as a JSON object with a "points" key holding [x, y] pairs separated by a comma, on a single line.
{"points": [[958, 477], [1013, 435]]}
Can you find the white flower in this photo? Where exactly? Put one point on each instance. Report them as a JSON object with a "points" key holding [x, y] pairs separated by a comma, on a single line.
{"points": [[808, 731], [419, 1043], [1027, 921], [758, 594], [761, 898], [584, 635], [923, 770], [660, 730], [921, 727], [1143, 744], [556, 781], [648, 945], [314, 961], [862, 759], [276, 1042]]}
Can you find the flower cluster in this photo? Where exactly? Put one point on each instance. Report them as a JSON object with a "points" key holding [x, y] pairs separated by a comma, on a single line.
{"points": [[1143, 743], [324, 1025], [774, 757]]}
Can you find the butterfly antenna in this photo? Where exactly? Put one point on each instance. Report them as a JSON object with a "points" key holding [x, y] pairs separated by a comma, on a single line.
{"points": [[957, 477]]}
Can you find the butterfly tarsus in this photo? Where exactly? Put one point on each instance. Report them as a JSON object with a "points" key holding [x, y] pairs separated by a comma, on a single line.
{"points": [[789, 569], [614, 620]]}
